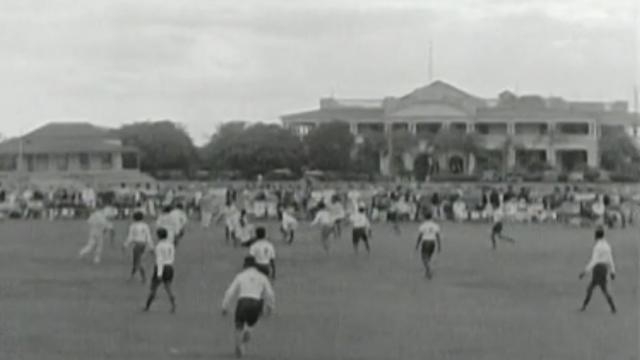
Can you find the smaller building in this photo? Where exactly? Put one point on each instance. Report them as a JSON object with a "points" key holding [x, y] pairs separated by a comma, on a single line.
{"points": [[70, 150]]}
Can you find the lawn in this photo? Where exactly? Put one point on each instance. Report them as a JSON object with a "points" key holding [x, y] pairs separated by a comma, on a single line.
{"points": [[519, 302]]}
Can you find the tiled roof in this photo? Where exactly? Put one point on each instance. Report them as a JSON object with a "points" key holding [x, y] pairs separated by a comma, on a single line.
{"points": [[65, 138]]}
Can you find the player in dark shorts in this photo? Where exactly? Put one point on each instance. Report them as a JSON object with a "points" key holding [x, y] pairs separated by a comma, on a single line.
{"points": [[253, 290], [601, 266], [163, 269], [429, 240], [496, 234]]}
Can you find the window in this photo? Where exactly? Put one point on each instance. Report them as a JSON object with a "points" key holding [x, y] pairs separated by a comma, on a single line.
{"points": [[574, 128], [428, 128], [459, 127], [531, 129], [400, 127], [129, 160], [8, 162], [491, 128], [84, 161], [62, 162], [42, 162], [106, 161]]}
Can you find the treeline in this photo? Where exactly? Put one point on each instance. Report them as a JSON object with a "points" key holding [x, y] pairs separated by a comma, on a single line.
{"points": [[240, 149]]}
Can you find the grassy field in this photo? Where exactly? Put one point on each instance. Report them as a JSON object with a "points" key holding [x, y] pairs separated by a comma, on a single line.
{"points": [[517, 303]]}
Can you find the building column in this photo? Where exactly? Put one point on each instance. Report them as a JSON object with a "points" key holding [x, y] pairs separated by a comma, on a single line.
{"points": [[412, 128], [511, 128], [471, 164], [353, 127], [551, 156], [511, 158], [593, 158]]}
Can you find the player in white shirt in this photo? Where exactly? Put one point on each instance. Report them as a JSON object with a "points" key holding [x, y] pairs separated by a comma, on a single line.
{"points": [[244, 231], [255, 297], [163, 270], [140, 236], [325, 221], [361, 229], [180, 220], [288, 226], [168, 222], [264, 253], [100, 226], [601, 265], [429, 239], [231, 215]]}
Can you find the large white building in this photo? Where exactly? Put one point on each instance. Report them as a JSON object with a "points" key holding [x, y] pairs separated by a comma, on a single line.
{"points": [[561, 133]]}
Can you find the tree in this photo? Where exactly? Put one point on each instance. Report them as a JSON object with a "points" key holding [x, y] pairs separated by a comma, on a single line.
{"points": [[255, 149], [617, 149], [213, 154], [163, 145], [329, 146]]}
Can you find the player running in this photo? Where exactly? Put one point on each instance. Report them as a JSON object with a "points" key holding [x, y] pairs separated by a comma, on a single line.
{"points": [[100, 226], [429, 239], [600, 265], [361, 229], [288, 226], [325, 221], [252, 289], [338, 214], [264, 253], [163, 270], [180, 220], [496, 231], [140, 236], [231, 215], [168, 222]]}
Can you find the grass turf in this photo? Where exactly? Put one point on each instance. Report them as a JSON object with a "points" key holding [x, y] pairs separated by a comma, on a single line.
{"points": [[519, 302]]}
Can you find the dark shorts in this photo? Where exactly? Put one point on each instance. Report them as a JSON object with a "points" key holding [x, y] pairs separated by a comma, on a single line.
{"points": [[497, 228], [138, 251], [248, 312], [428, 248], [326, 232], [265, 269], [359, 234], [599, 275], [392, 216], [166, 278]]}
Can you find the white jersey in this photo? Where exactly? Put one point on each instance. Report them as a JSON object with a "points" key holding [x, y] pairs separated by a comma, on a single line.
{"points": [[263, 251], [165, 255], [288, 221], [99, 223], [323, 218], [429, 230], [337, 211], [251, 284], [359, 220], [180, 218], [169, 223], [602, 254], [139, 233]]}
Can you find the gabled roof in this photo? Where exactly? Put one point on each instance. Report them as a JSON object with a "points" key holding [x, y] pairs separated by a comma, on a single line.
{"points": [[442, 88], [68, 129], [60, 138]]}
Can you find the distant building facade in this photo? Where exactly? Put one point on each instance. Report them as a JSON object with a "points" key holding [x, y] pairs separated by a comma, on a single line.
{"points": [[79, 150], [561, 133]]}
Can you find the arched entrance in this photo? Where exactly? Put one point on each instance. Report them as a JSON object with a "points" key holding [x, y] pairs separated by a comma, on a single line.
{"points": [[456, 164]]}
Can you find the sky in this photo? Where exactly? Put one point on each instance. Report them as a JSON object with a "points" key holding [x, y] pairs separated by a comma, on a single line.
{"points": [[203, 62]]}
